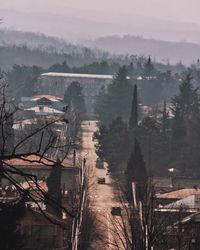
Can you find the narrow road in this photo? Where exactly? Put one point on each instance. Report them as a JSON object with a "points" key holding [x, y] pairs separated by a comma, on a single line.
{"points": [[102, 196]]}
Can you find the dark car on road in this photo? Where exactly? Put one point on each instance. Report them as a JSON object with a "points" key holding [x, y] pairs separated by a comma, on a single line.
{"points": [[101, 180], [116, 211]]}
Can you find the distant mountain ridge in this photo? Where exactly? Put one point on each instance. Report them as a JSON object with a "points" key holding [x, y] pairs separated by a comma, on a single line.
{"points": [[162, 51], [29, 48], [35, 40], [77, 26]]}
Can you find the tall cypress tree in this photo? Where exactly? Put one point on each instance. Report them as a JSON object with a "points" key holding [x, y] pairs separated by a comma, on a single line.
{"points": [[136, 170], [133, 122]]}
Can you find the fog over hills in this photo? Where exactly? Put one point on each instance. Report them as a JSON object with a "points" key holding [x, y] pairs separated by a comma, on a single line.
{"points": [[161, 50], [35, 40], [163, 39], [77, 26]]}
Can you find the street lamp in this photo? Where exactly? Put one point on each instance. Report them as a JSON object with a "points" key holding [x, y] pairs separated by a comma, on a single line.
{"points": [[171, 176]]}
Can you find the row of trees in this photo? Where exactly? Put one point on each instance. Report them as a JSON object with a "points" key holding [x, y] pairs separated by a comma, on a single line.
{"points": [[23, 79], [154, 83], [168, 138], [143, 225]]}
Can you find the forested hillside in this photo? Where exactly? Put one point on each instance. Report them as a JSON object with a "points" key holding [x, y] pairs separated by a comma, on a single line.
{"points": [[29, 48], [160, 50], [17, 47]]}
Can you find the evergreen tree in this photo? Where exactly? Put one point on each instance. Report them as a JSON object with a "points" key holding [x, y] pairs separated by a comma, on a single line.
{"points": [[101, 105], [60, 67], [133, 122], [74, 98], [74, 95], [117, 99], [149, 69], [54, 197], [22, 80], [136, 170], [185, 108], [164, 118], [114, 144], [188, 100]]}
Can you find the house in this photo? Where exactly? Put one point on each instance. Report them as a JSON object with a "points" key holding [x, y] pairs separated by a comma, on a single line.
{"points": [[42, 100], [40, 105], [173, 196], [44, 231], [41, 168], [42, 110], [184, 233], [56, 83]]}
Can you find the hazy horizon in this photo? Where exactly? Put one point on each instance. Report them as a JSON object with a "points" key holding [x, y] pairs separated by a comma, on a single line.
{"points": [[175, 10], [79, 21]]}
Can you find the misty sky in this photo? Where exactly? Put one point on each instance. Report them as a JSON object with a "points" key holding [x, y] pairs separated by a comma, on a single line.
{"points": [[178, 10], [81, 20]]}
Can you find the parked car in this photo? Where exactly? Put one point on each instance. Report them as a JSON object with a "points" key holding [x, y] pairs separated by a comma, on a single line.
{"points": [[101, 180], [116, 211], [99, 163]]}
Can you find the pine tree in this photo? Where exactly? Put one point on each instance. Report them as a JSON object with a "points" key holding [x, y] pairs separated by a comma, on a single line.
{"points": [[148, 67], [133, 122], [185, 107], [187, 101]]}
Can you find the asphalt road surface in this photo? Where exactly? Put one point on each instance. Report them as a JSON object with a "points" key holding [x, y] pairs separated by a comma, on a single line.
{"points": [[103, 196]]}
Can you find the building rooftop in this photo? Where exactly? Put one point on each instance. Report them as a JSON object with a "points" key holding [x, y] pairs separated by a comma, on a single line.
{"points": [[31, 160], [49, 97], [74, 75], [179, 194], [188, 202], [34, 161]]}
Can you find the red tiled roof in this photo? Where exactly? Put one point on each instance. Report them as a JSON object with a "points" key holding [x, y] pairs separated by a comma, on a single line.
{"points": [[35, 161], [31, 160], [48, 97]]}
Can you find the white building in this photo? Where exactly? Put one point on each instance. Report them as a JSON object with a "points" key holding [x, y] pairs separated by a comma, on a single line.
{"points": [[56, 83]]}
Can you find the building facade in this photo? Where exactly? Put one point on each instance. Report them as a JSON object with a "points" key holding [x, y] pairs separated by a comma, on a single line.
{"points": [[56, 83]]}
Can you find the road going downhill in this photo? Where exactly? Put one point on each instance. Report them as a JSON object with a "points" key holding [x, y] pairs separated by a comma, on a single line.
{"points": [[102, 196]]}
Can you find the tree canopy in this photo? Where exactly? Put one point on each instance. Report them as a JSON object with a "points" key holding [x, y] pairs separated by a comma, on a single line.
{"points": [[116, 100]]}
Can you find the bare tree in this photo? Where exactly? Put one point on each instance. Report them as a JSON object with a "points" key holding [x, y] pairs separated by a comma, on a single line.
{"points": [[144, 225], [42, 141]]}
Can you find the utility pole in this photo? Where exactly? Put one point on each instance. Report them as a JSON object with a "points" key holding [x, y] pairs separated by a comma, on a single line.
{"points": [[74, 158], [77, 223]]}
